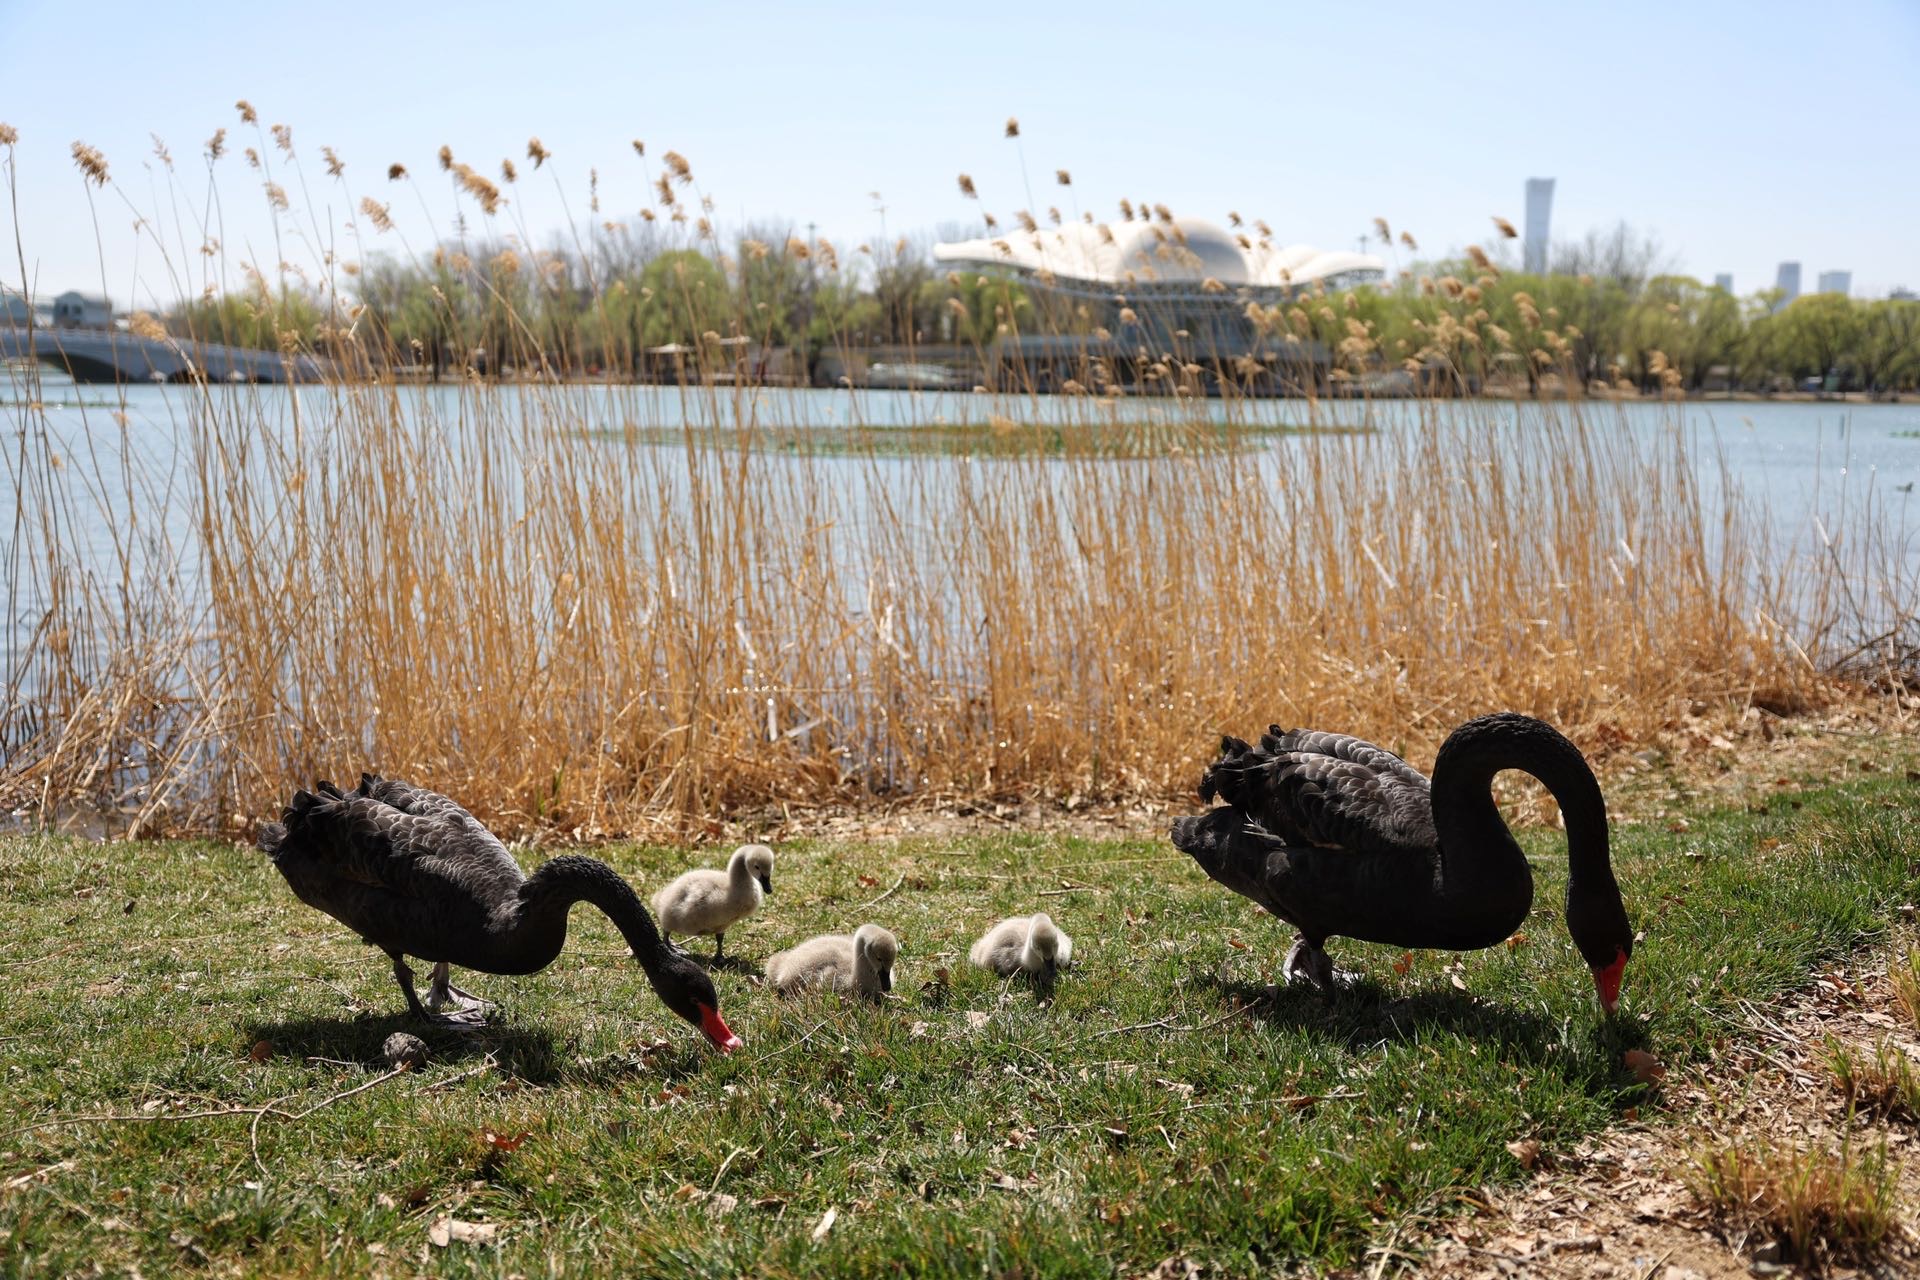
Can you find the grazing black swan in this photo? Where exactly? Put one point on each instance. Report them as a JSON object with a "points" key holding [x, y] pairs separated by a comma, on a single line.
{"points": [[1338, 836], [414, 874]]}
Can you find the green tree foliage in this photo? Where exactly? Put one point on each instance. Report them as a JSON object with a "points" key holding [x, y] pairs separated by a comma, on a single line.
{"points": [[1619, 320]]}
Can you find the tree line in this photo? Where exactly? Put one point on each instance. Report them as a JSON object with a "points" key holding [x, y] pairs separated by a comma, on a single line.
{"points": [[1606, 314]]}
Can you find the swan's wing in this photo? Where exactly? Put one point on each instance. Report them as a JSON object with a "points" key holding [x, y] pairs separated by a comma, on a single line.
{"points": [[1326, 789], [329, 838], [467, 837]]}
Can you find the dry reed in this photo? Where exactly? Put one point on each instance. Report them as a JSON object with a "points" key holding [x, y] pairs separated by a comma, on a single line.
{"points": [[595, 632]]}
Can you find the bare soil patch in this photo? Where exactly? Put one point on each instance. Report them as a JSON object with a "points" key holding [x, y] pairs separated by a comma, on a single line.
{"points": [[1621, 1205]]}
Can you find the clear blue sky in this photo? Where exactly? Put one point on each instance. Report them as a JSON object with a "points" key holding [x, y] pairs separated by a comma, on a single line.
{"points": [[1740, 132]]}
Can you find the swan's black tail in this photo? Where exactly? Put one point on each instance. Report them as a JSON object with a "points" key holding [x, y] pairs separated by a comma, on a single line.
{"points": [[1241, 776], [1229, 847], [296, 819]]}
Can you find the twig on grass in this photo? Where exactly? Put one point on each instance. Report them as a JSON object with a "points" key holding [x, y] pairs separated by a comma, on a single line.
{"points": [[897, 882], [1166, 1024]]}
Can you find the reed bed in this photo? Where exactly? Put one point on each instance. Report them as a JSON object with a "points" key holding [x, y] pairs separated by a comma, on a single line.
{"points": [[584, 613], [593, 635]]}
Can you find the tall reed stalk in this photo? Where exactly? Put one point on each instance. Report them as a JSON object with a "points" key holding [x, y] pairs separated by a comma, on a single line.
{"points": [[595, 608]]}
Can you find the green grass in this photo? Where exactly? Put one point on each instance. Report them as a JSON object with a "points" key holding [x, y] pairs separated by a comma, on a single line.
{"points": [[982, 439], [1043, 1142]]}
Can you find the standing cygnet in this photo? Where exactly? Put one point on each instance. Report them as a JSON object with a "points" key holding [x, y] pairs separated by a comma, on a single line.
{"points": [[1033, 944], [860, 962], [707, 901]]}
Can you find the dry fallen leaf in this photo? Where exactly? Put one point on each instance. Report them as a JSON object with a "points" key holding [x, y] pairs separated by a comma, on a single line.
{"points": [[260, 1052], [444, 1231], [1237, 945], [1517, 941], [1404, 965], [825, 1225], [917, 1029], [504, 1141], [976, 1019], [1526, 1151], [1646, 1068]]}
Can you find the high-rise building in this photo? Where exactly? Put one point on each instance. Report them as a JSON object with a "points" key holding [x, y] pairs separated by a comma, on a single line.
{"points": [[1840, 282], [1533, 250], [1787, 281], [1724, 281]]}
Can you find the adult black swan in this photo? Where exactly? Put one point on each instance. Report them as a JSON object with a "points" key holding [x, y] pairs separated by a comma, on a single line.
{"points": [[414, 874], [1339, 837]]}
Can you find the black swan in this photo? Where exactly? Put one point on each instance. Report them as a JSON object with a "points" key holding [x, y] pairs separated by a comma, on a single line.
{"points": [[1338, 836], [414, 874]]}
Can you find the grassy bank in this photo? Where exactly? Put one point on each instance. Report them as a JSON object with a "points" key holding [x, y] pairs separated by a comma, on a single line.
{"points": [[1162, 1104]]}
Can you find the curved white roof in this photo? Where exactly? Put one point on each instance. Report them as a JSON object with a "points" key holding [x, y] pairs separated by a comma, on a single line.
{"points": [[1120, 255]]}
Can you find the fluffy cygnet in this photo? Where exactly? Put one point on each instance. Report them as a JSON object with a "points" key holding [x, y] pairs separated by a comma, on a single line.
{"points": [[1031, 944], [707, 901], [860, 962]]}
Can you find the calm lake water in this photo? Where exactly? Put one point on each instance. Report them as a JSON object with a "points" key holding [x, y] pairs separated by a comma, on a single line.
{"points": [[1816, 466]]}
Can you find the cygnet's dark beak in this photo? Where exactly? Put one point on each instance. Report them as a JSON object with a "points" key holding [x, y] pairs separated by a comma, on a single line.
{"points": [[886, 978], [766, 882]]}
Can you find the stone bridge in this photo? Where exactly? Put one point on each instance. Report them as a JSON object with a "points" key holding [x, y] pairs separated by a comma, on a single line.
{"points": [[108, 355]]}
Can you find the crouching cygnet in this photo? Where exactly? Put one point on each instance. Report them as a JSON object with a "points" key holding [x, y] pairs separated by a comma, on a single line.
{"points": [[860, 962], [707, 901], [1024, 944]]}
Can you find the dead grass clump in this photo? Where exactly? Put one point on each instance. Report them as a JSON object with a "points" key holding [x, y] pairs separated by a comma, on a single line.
{"points": [[1882, 1084], [1903, 971], [1815, 1207]]}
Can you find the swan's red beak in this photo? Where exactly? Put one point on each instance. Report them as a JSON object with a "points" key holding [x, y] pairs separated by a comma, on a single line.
{"points": [[1607, 980], [715, 1029]]}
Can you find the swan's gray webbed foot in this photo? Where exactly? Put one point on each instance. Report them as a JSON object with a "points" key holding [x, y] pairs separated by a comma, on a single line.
{"points": [[1308, 963], [449, 1004]]}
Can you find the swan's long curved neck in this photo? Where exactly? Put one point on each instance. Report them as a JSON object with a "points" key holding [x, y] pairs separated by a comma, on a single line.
{"points": [[551, 892], [1482, 871]]}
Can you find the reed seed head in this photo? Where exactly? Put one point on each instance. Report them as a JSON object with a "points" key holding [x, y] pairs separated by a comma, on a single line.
{"points": [[677, 164], [446, 159], [1013, 126], [1381, 229], [395, 172], [639, 148], [1505, 228], [91, 162], [378, 214], [247, 114], [283, 138], [8, 134], [142, 325], [967, 188], [536, 153], [1063, 177]]}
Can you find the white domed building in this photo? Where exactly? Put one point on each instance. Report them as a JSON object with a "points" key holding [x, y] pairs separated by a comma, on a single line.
{"points": [[1164, 258], [1127, 294]]}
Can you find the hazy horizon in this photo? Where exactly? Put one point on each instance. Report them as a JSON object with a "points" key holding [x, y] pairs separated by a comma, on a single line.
{"points": [[1737, 135]]}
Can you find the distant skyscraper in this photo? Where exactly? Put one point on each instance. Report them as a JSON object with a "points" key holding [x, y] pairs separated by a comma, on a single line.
{"points": [[1539, 215], [1724, 281], [1840, 282], [1787, 281]]}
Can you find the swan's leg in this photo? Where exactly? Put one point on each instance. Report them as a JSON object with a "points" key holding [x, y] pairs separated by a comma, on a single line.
{"points": [[404, 976], [1309, 963], [441, 993], [718, 938]]}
